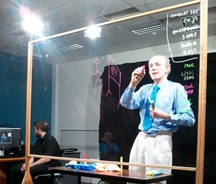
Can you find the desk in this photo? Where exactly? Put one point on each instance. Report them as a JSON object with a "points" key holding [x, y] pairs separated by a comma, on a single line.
{"points": [[3, 163], [125, 176]]}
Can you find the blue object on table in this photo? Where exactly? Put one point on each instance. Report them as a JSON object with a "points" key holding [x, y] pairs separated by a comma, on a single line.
{"points": [[154, 172], [88, 167]]}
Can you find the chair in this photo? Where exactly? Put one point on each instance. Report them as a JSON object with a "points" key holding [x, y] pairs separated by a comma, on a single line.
{"points": [[110, 182], [45, 178]]}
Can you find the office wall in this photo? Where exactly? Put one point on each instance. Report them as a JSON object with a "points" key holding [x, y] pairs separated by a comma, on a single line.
{"points": [[13, 92]]}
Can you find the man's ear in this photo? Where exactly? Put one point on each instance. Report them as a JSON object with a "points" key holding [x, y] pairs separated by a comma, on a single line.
{"points": [[167, 68]]}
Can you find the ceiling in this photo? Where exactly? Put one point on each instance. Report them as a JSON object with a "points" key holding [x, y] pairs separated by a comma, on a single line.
{"points": [[66, 15]]}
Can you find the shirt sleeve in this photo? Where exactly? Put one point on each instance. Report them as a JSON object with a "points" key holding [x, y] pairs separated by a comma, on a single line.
{"points": [[130, 99], [184, 115], [115, 147]]}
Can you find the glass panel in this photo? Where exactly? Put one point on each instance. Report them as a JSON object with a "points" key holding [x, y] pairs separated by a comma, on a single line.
{"points": [[89, 77]]}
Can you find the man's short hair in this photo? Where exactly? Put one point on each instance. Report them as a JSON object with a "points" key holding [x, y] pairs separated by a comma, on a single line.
{"points": [[42, 124], [164, 58]]}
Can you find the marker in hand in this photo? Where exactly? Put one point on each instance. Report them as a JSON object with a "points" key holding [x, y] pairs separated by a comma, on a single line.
{"points": [[152, 103], [141, 71], [143, 68], [137, 76]]}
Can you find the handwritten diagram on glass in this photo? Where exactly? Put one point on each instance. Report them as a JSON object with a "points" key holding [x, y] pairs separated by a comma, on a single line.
{"points": [[114, 75], [96, 75]]}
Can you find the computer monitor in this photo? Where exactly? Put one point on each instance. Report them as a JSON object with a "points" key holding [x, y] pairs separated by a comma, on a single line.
{"points": [[10, 137]]}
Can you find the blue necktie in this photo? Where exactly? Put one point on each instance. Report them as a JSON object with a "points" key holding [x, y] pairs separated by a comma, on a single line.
{"points": [[148, 118]]}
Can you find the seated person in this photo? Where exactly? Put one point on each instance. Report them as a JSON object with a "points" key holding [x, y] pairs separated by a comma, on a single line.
{"points": [[108, 149], [46, 144]]}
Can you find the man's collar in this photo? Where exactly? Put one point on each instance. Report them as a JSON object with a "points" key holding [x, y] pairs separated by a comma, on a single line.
{"points": [[163, 84], [44, 136]]}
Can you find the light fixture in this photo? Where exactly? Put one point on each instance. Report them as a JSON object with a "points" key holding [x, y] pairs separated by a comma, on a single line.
{"points": [[93, 32], [70, 47], [148, 29], [31, 22]]}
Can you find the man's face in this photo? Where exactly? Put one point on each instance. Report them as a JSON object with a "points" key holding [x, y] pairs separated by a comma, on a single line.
{"points": [[108, 136], [36, 131], [158, 69]]}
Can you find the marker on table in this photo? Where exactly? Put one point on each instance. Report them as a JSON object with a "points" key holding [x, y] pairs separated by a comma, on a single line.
{"points": [[85, 157], [121, 166]]}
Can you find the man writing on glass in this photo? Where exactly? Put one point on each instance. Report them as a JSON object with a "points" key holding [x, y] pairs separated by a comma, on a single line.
{"points": [[163, 107]]}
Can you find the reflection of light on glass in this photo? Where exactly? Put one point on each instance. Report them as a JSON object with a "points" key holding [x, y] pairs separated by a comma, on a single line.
{"points": [[93, 32]]}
